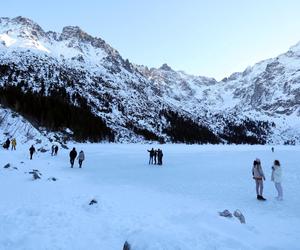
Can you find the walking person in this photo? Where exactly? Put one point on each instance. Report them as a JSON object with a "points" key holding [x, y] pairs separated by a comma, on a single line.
{"points": [[13, 144], [73, 154], [55, 150], [31, 151], [52, 150], [276, 177], [80, 158], [151, 155], [259, 177]]}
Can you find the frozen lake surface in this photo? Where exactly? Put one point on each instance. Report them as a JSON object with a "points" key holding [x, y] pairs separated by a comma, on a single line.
{"points": [[174, 206]]}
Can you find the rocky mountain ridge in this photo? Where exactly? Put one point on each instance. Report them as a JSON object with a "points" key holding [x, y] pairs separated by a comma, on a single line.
{"points": [[259, 105]]}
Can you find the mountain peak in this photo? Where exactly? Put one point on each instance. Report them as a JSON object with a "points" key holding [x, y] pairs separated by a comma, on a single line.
{"points": [[24, 21], [165, 67], [75, 32], [25, 25]]}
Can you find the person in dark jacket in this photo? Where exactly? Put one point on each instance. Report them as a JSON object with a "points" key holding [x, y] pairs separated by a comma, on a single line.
{"points": [[159, 156], [31, 151], [151, 155], [6, 144], [52, 150], [73, 155], [155, 157], [56, 150]]}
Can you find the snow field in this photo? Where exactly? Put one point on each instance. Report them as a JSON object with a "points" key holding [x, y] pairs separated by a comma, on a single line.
{"points": [[170, 207]]}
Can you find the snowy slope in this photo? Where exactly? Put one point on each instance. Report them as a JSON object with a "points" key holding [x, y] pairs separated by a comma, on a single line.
{"points": [[269, 91], [171, 207], [132, 98], [12, 125]]}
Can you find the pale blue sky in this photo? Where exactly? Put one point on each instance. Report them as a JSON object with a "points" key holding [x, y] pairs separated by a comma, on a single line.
{"points": [[211, 38]]}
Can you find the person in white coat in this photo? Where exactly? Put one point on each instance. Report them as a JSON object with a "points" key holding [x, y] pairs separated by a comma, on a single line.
{"points": [[80, 158], [276, 177]]}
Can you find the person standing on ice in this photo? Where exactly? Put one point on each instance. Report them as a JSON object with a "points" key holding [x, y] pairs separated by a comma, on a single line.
{"points": [[13, 144], [73, 154], [155, 157], [160, 156], [55, 150], [259, 177], [80, 158], [151, 155], [276, 177], [6, 144], [31, 151], [52, 150]]}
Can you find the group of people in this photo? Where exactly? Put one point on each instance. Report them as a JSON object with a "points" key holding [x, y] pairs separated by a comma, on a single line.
{"points": [[259, 177], [7, 143], [54, 151], [13, 143], [73, 154], [155, 156]]}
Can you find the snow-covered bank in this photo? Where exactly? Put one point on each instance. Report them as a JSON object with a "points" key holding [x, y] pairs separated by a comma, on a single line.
{"points": [[171, 207]]}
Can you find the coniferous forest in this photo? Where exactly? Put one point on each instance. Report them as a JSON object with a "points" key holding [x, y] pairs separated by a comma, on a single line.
{"points": [[184, 130], [247, 132], [56, 113]]}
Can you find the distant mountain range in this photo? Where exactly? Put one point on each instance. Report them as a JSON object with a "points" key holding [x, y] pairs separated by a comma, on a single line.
{"points": [[71, 81]]}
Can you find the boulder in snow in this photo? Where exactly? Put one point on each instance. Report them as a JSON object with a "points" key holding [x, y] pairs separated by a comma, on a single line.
{"points": [[42, 150], [93, 201], [52, 179], [225, 213], [238, 214], [35, 174], [126, 246], [7, 165]]}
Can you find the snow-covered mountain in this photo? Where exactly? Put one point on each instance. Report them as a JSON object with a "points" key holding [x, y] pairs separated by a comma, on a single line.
{"points": [[259, 105]]}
